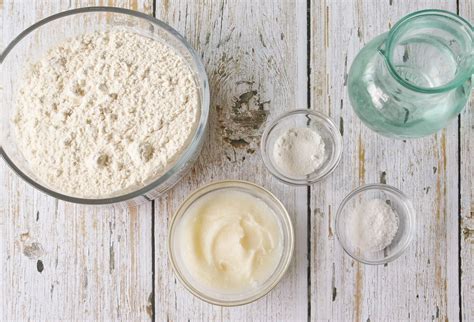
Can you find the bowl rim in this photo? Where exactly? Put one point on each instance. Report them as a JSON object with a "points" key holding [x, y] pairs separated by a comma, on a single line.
{"points": [[199, 132], [411, 214], [287, 256], [294, 181]]}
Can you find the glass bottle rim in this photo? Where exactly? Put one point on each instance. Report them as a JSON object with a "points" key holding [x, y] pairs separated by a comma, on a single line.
{"points": [[457, 81]]}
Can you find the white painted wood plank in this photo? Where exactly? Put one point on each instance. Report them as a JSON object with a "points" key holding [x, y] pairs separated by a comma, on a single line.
{"points": [[423, 283], [466, 10], [62, 261], [255, 55], [3, 201]]}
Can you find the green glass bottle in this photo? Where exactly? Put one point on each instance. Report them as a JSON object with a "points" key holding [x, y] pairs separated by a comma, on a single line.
{"points": [[411, 81]]}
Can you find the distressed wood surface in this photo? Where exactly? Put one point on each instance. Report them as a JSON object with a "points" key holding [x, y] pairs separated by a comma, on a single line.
{"points": [[255, 56], [62, 261], [423, 284], [466, 238]]}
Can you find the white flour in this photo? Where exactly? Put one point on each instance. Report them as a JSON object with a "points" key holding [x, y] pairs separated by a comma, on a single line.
{"points": [[372, 225], [104, 112], [299, 152]]}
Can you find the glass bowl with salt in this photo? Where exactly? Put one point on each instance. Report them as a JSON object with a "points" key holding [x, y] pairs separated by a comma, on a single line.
{"points": [[301, 147], [375, 223]]}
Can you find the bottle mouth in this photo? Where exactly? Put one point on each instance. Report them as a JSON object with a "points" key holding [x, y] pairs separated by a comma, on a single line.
{"points": [[430, 51]]}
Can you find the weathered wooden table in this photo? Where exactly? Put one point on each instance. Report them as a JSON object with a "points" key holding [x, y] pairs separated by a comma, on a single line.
{"points": [[62, 261]]}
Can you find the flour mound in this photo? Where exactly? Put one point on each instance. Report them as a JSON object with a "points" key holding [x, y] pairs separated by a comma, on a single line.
{"points": [[104, 112]]}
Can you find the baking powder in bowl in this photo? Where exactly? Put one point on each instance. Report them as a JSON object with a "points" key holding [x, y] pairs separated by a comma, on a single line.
{"points": [[104, 112], [299, 151]]}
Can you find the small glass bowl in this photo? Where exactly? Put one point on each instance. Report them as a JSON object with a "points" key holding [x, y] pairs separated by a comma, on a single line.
{"points": [[232, 299], [303, 118], [406, 226]]}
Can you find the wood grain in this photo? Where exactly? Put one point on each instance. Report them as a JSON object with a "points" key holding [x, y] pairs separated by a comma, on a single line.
{"points": [[62, 261], [423, 283], [466, 238], [255, 56], [3, 201]]}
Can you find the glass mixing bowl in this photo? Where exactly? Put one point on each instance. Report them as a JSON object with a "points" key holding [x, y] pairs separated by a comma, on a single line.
{"points": [[36, 40]]}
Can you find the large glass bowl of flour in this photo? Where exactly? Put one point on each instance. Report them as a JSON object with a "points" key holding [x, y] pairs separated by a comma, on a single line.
{"points": [[137, 33]]}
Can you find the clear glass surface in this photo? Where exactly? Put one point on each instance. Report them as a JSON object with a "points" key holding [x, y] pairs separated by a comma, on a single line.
{"points": [[411, 81], [226, 299], [398, 201], [33, 43]]}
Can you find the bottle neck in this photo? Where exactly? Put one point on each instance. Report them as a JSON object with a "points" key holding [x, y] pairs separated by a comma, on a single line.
{"points": [[430, 51]]}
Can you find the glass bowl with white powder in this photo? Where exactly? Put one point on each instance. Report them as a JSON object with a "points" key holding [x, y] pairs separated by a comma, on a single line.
{"points": [[375, 223], [301, 147], [102, 105]]}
